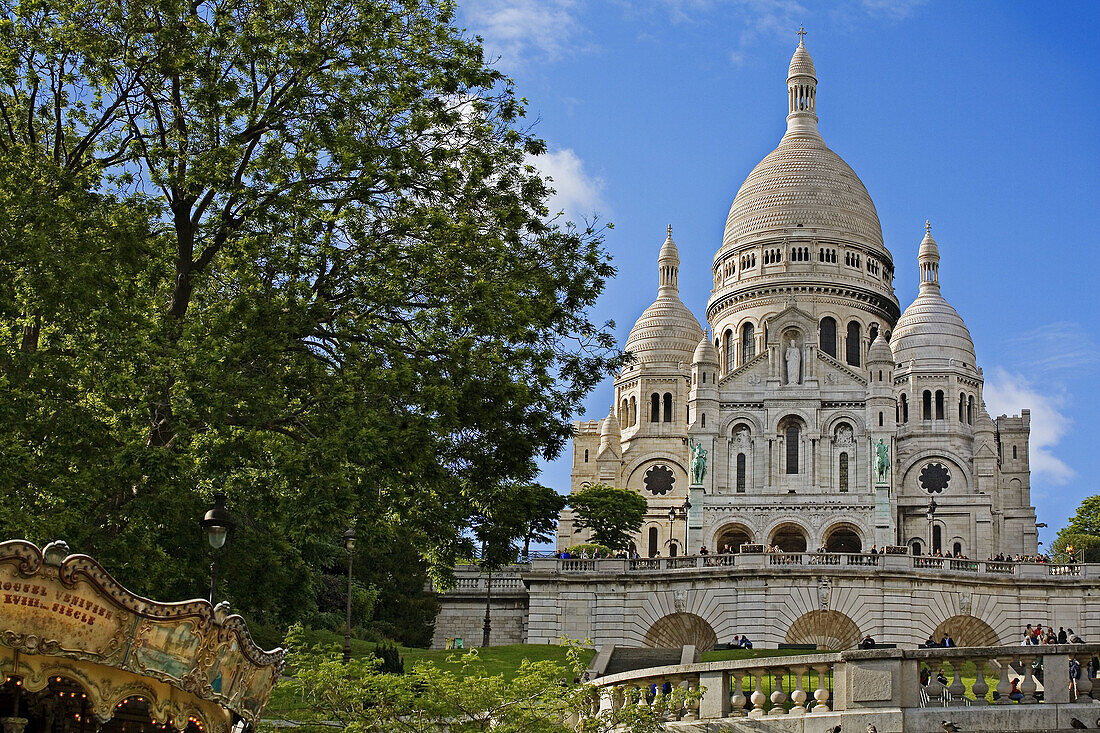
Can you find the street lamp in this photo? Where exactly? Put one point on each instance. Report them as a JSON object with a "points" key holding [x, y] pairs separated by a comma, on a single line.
{"points": [[675, 513], [931, 513], [217, 523], [349, 547]]}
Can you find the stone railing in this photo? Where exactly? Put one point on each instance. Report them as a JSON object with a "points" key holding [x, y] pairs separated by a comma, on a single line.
{"points": [[987, 688], [867, 561]]}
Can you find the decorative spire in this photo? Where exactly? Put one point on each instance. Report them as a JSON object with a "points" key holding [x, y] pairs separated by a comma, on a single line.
{"points": [[928, 260], [801, 89], [801, 35], [668, 268]]}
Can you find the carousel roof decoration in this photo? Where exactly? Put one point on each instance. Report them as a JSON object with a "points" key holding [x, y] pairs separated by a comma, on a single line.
{"points": [[190, 663]]}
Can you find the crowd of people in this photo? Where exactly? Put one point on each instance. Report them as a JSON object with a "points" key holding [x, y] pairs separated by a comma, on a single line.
{"points": [[1037, 634], [1002, 557]]}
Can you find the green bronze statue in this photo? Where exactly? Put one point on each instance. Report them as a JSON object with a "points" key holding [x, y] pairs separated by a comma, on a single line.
{"points": [[698, 463], [882, 461]]}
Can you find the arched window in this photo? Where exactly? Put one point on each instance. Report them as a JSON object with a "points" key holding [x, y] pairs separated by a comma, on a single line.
{"points": [[844, 471], [851, 344], [655, 408], [668, 404], [926, 413], [792, 447], [904, 408], [586, 455], [653, 542], [633, 411], [624, 414], [880, 418], [1014, 453], [970, 410], [872, 332], [939, 404], [748, 342], [958, 549], [673, 549], [703, 418], [916, 547], [937, 538], [740, 473], [731, 353], [962, 407], [827, 338]]}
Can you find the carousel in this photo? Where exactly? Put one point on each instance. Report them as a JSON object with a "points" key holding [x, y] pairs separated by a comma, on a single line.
{"points": [[81, 654]]}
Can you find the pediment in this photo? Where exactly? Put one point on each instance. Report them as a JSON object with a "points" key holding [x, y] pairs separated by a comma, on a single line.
{"points": [[752, 375], [792, 318], [985, 451], [831, 372]]}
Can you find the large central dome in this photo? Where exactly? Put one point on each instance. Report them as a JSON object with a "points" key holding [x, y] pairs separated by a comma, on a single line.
{"points": [[803, 184]]}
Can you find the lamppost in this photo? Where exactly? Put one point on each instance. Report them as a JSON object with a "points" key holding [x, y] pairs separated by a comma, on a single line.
{"points": [[349, 547], [217, 523], [931, 519], [675, 513]]}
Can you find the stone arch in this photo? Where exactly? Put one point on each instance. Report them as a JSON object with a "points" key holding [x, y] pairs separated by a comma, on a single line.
{"points": [[680, 629], [789, 537], [734, 534], [755, 426], [960, 477], [843, 537], [967, 631], [808, 422], [825, 629], [832, 422]]}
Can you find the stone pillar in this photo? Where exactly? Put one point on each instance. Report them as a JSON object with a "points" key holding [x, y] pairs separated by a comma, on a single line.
{"points": [[716, 695]]}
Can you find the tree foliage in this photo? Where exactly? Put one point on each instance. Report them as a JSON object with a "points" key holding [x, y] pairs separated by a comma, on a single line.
{"points": [[287, 249], [1082, 533], [538, 699], [614, 515]]}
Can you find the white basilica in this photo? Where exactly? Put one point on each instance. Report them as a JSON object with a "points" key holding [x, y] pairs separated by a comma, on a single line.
{"points": [[808, 363]]}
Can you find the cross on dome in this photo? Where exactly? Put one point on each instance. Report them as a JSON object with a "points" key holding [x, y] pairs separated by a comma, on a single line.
{"points": [[670, 230], [801, 34], [928, 225]]}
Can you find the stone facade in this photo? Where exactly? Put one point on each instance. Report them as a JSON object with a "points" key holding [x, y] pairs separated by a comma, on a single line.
{"points": [[826, 600], [806, 366]]}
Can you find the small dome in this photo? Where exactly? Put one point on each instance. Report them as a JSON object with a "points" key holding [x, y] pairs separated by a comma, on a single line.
{"points": [[880, 351], [669, 254], [666, 331], [930, 330], [609, 428], [801, 63], [705, 353]]}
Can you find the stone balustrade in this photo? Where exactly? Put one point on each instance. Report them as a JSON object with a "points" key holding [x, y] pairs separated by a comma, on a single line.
{"points": [[878, 686], [811, 559]]}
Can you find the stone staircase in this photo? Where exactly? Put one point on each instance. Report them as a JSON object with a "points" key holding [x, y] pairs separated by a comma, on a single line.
{"points": [[616, 659]]}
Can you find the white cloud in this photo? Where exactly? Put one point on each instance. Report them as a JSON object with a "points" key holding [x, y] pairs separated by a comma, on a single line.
{"points": [[516, 30], [1008, 393], [1057, 348], [576, 193]]}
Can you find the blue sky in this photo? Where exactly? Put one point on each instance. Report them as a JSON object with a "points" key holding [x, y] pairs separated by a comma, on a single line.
{"points": [[981, 116]]}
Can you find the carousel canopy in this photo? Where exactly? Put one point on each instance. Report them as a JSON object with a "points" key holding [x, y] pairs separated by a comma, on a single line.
{"points": [[67, 628]]}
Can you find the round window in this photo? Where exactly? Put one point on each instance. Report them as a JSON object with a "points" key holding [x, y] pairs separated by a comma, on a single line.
{"points": [[934, 478], [659, 479]]}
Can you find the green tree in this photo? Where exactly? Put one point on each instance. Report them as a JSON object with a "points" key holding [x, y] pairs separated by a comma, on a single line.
{"points": [[613, 515], [542, 506], [538, 699], [1082, 533], [292, 250]]}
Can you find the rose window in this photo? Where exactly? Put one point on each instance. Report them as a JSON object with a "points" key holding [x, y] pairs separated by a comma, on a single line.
{"points": [[659, 479], [934, 478]]}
